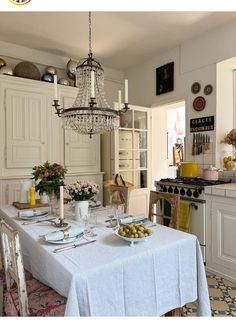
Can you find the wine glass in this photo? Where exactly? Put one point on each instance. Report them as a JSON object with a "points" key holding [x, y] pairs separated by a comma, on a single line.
{"points": [[120, 209], [89, 223], [111, 213]]}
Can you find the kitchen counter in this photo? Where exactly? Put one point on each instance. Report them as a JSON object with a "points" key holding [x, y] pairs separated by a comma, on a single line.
{"points": [[227, 190]]}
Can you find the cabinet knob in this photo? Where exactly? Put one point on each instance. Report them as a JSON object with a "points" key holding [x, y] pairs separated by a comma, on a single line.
{"points": [[43, 142]]}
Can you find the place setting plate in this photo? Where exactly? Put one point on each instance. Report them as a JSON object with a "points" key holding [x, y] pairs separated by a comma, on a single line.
{"points": [[66, 240], [32, 215]]}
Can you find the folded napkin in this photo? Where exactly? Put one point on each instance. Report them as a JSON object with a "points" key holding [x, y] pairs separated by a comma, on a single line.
{"points": [[94, 204], [32, 213], [135, 219], [59, 235]]}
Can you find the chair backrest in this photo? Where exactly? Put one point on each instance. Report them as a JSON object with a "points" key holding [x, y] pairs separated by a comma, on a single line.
{"points": [[13, 265], [157, 207], [119, 195]]}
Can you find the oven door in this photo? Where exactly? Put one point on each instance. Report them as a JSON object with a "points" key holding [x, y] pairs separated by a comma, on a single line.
{"points": [[198, 222]]}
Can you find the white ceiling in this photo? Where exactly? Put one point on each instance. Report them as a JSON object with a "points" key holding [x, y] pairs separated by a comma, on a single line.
{"points": [[119, 39]]}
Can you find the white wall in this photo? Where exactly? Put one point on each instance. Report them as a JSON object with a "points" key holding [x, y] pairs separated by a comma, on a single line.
{"points": [[195, 60]]}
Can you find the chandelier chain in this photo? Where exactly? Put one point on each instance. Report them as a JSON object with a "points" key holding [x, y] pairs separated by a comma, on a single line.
{"points": [[90, 33]]}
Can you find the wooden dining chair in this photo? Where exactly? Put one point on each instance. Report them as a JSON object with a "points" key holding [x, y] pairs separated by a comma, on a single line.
{"points": [[157, 207], [119, 195], [25, 295]]}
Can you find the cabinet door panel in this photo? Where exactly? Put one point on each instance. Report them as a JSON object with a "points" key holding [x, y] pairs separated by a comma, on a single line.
{"points": [[81, 152], [223, 235], [26, 128]]}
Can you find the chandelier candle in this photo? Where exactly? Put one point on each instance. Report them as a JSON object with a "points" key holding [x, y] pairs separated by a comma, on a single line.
{"points": [[92, 84], [126, 91], [119, 99], [55, 88]]}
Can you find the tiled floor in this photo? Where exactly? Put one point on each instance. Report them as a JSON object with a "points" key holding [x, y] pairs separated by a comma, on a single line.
{"points": [[222, 297]]}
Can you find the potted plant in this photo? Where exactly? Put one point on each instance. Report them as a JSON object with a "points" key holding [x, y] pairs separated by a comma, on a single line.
{"points": [[48, 178], [81, 192]]}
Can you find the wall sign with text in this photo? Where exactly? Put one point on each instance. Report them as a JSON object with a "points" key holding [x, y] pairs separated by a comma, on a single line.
{"points": [[202, 124]]}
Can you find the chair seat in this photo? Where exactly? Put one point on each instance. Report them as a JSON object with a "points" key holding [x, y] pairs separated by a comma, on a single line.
{"points": [[43, 301]]}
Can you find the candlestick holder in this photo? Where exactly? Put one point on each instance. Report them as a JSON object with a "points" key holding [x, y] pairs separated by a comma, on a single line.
{"points": [[56, 105], [124, 110], [61, 223]]}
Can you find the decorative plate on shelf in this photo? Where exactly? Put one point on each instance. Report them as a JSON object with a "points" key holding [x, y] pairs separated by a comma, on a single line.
{"points": [[208, 89], [199, 103], [195, 88]]}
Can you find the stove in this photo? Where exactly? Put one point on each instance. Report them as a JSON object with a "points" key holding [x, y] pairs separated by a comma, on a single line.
{"points": [[191, 191], [187, 188]]}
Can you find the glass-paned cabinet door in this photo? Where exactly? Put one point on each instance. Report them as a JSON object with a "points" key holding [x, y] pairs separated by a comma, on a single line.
{"points": [[133, 147], [140, 119], [126, 120]]}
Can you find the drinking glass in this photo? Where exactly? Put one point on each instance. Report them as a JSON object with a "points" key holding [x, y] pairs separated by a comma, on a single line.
{"points": [[90, 222], [111, 214], [119, 213]]}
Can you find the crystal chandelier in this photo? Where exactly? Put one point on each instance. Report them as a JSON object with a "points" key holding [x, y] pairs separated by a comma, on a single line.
{"points": [[90, 114]]}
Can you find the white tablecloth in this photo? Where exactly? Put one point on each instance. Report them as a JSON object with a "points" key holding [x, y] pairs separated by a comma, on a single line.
{"points": [[110, 278]]}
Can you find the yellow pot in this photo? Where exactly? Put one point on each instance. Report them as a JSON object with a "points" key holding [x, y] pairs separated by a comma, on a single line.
{"points": [[189, 169]]}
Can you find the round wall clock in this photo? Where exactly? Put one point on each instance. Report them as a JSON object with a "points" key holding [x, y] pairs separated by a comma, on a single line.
{"points": [[199, 103], [208, 89], [195, 88]]}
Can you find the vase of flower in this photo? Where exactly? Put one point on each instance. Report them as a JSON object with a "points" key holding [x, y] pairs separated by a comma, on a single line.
{"points": [[81, 209], [81, 192], [48, 179]]}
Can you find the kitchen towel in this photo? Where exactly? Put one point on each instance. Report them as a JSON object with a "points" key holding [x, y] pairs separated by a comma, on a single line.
{"points": [[184, 216]]}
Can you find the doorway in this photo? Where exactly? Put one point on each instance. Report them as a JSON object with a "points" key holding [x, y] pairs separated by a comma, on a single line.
{"points": [[168, 136]]}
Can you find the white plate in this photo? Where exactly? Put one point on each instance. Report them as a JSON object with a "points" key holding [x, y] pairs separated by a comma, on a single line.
{"points": [[67, 240], [27, 216], [132, 240]]}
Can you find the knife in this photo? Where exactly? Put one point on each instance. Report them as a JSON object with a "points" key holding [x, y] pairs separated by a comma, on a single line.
{"points": [[73, 246]]}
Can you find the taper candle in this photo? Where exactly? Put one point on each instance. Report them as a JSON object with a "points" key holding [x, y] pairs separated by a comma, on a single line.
{"points": [[61, 202], [55, 88], [126, 91], [119, 99]]}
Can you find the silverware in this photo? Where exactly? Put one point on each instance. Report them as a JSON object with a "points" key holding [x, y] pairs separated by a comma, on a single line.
{"points": [[37, 221], [73, 246]]}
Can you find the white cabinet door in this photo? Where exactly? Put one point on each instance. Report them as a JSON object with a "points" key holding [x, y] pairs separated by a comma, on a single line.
{"points": [[25, 128], [223, 228], [82, 154]]}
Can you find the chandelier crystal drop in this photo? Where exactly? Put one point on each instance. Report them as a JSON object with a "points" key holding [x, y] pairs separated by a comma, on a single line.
{"points": [[90, 114]]}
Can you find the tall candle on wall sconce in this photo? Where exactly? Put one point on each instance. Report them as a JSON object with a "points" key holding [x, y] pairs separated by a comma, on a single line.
{"points": [[55, 88], [61, 202], [119, 99], [92, 84], [126, 91]]}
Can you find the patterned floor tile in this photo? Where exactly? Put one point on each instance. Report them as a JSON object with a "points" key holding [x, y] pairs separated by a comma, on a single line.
{"points": [[222, 295]]}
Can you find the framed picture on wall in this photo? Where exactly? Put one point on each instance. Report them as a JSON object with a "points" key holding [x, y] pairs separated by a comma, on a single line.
{"points": [[165, 78]]}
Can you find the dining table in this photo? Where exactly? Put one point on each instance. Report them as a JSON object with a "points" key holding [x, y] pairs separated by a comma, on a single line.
{"points": [[111, 278]]}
